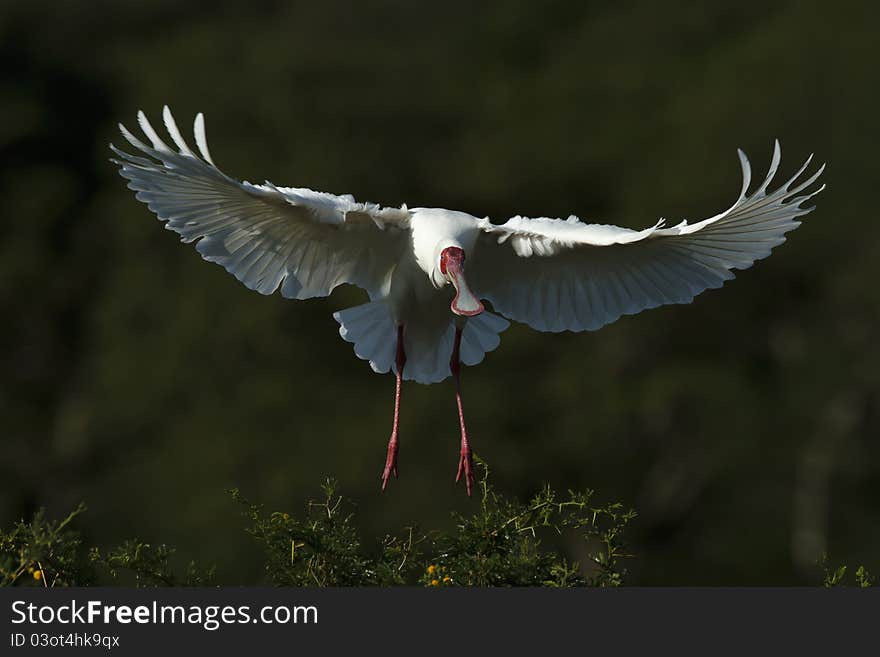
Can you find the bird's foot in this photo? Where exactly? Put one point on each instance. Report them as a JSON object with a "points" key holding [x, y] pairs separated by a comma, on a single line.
{"points": [[466, 467], [390, 463]]}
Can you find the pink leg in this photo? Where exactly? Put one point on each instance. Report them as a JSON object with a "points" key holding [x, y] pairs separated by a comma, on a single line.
{"points": [[391, 459], [466, 459]]}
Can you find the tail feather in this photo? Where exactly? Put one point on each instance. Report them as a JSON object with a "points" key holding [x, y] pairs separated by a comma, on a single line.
{"points": [[481, 334], [372, 330]]}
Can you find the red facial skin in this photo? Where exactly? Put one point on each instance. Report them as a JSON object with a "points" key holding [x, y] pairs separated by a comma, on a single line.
{"points": [[452, 265], [451, 255]]}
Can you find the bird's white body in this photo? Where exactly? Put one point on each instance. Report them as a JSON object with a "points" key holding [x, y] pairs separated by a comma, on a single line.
{"points": [[427, 269], [418, 297]]}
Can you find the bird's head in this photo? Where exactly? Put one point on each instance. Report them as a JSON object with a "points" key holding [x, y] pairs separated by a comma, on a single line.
{"points": [[452, 267]]}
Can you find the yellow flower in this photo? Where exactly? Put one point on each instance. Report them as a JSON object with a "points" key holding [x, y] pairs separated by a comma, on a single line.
{"points": [[38, 575], [435, 582], [432, 569], [447, 578], [286, 516]]}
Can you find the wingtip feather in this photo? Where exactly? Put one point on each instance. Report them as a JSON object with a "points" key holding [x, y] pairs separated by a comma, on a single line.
{"points": [[131, 139], [151, 134], [746, 173], [174, 131], [201, 138], [774, 167]]}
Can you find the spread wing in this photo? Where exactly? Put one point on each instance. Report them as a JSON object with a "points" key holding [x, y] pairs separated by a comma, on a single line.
{"points": [[558, 275], [303, 242]]}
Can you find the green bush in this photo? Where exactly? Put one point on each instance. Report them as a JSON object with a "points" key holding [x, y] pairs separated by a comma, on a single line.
{"points": [[44, 553], [500, 544], [503, 543], [833, 577]]}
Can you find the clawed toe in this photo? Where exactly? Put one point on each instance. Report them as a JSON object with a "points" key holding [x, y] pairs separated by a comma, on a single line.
{"points": [[386, 475], [390, 464], [466, 467]]}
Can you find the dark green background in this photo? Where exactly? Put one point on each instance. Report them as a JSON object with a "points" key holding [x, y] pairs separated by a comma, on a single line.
{"points": [[139, 378]]}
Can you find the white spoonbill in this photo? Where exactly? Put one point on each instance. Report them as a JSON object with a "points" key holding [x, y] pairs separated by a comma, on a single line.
{"points": [[425, 316]]}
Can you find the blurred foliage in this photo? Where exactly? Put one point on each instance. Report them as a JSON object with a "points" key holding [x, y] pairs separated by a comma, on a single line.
{"points": [[837, 576], [142, 379], [497, 546]]}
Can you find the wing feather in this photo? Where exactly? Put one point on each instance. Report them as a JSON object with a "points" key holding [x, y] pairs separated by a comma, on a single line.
{"points": [[558, 275], [301, 241], [201, 139]]}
